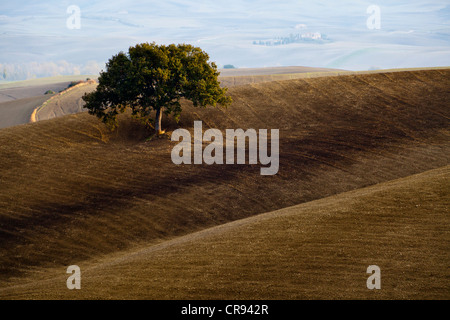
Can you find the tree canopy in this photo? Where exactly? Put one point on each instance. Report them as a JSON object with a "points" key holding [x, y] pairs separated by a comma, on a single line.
{"points": [[153, 77]]}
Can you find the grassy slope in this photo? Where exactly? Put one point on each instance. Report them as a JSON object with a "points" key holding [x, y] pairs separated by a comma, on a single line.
{"points": [[71, 191], [317, 250]]}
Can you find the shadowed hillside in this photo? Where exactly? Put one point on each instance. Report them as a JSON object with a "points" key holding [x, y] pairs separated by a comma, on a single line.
{"points": [[71, 191], [317, 250]]}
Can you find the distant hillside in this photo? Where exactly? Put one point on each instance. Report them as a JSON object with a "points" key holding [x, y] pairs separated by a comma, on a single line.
{"points": [[68, 101], [19, 99]]}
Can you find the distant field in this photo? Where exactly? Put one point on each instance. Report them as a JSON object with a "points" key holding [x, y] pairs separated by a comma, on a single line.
{"points": [[73, 192], [17, 93], [44, 81], [18, 111], [241, 76], [271, 71], [236, 77], [18, 100]]}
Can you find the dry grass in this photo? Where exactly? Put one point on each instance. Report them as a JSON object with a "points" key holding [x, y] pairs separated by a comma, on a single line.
{"points": [[73, 193]]}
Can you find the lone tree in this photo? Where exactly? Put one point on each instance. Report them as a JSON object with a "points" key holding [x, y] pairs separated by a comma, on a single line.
{"points": [[155, 77]]}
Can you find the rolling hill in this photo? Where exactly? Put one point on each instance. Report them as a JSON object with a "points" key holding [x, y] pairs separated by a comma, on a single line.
{"points": [[320, 249], [73, 192]]}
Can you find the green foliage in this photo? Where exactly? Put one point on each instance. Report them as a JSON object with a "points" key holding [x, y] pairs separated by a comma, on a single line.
{"points": [[49, 92], [154, 77], [229, 66]]}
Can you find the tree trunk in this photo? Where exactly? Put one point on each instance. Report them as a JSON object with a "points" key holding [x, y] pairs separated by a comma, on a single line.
{"points": [[158, 118]]}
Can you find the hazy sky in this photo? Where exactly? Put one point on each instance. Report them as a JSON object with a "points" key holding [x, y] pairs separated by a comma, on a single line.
{"points": [[43, 38]]}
